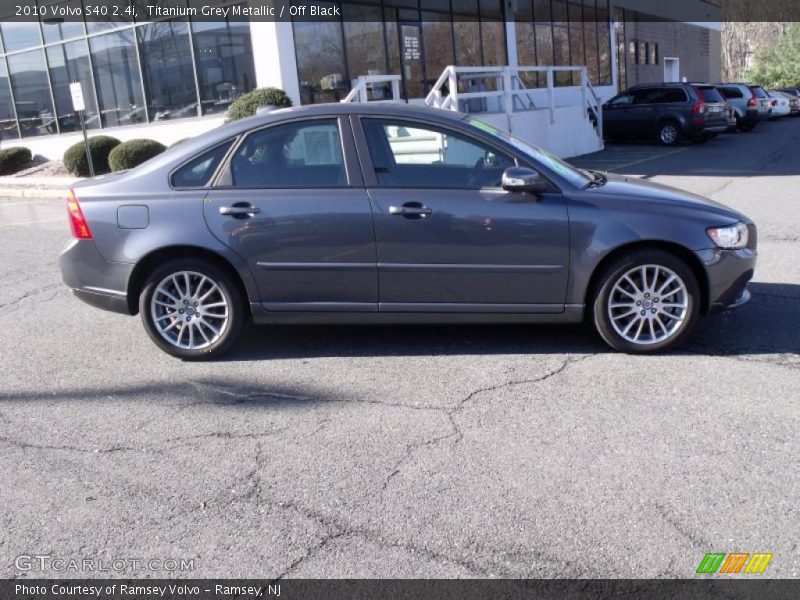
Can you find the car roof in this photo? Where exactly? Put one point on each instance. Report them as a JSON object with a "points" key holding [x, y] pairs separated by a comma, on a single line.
{"points": [[640, 86]]}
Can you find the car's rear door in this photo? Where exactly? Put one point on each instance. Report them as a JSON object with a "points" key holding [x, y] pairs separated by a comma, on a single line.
{"points": [[449, 238], [291, 202]]}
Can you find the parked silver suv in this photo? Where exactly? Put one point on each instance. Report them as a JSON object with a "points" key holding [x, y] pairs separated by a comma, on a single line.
{"points": [[750, 102]]}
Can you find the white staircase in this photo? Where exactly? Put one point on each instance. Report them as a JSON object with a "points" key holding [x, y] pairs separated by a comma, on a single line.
{"points": [[567, 120]]}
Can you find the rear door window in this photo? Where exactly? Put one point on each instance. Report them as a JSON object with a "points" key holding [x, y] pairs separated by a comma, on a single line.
{"points": [[674, 95], [198, 172], [303, 154], [650, 96]]}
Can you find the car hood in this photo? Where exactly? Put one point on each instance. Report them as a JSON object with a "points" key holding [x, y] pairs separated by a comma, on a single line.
{"points": [[648, 192]]}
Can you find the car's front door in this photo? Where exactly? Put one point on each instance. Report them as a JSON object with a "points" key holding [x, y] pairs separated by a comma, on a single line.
{"points": [[615, 115], [293, 205], [449, 238]]}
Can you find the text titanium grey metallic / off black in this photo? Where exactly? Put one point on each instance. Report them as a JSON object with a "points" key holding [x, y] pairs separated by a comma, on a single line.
{"points": [[389, 213]]}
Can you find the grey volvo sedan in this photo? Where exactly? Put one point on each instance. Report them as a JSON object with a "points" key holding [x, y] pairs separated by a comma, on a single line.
{"points": [[385, 213]]}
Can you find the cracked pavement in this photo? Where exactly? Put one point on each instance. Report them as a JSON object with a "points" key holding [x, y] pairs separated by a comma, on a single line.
{"points": [[502, 451]]}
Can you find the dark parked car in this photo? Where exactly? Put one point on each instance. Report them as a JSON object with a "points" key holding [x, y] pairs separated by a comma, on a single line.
{"points": [[379, 213], [668, 112]]}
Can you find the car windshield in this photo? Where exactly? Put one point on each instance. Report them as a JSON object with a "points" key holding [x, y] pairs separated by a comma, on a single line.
{"points": [[574, 176]]}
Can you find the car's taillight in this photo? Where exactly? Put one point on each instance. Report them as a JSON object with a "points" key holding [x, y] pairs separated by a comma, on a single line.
{"points": [[80, 228], [700, 106], [774, 103], [752, 103]]}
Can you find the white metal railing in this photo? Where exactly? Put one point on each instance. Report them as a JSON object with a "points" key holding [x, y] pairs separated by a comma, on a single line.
{"points": [[510, 93], [362, 85]]}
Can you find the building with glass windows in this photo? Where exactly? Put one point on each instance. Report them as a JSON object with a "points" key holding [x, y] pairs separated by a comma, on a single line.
{"points": [[174, 78]]}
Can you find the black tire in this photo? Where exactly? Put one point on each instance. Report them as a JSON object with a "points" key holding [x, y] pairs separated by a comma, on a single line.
{"points": [[669, 133], [227, 290], [605, 288], [743, 126]]}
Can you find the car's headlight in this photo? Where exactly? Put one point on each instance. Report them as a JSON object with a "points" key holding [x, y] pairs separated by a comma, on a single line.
{"points": [[730, 238]]}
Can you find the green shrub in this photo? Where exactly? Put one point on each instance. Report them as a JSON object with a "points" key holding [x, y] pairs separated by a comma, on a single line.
{"points": [[13, 160], [180, 141], [246, 105], [100, 147], [133, 153]]}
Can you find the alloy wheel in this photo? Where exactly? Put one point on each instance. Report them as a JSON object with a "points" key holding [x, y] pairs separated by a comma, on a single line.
{"points": [[189, 310], [648, 304], [669, 134]]}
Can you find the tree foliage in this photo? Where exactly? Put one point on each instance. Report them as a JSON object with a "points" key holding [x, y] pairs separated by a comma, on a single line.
{"points": [[248, 104], [778, 64]]}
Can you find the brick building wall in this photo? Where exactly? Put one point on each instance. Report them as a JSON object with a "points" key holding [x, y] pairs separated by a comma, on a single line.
{"points": [[698, 50]]}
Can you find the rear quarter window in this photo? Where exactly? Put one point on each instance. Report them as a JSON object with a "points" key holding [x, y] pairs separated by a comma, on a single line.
{"points": [[198, 171], [759, 92]]}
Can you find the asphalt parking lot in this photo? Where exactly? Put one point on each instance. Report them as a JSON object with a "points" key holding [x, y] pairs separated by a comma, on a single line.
{"points": [[414, 451]]}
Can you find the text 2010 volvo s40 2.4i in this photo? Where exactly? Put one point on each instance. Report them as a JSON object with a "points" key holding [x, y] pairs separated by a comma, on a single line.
{"points": [[395, 214]]}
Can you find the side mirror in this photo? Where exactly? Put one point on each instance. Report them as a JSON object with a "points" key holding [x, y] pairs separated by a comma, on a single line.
{"points": [[523, 179]]}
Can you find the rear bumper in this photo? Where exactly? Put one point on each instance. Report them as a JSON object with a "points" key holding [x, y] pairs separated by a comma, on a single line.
{"points": [[728, 273], [93, 279], [701, 127]]}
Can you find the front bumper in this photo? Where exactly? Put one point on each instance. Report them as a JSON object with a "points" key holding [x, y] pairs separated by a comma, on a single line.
{"points": [[728, 273], [93, 279]]}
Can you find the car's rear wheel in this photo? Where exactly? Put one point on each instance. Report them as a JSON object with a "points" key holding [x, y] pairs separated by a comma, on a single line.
{"points": [[744, 126], [668, 133], [191, 309], [646, 301]]}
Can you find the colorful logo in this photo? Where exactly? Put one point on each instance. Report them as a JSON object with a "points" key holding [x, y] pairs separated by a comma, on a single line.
{"points": [[736, 562]]}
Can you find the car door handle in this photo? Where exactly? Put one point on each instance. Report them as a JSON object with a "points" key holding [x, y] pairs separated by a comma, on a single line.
{"points": [[410, 210], [239, 209]]}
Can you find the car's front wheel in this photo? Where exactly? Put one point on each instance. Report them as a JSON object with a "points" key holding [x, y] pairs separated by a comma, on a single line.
{"points": [[646, 301], [191, 309]]}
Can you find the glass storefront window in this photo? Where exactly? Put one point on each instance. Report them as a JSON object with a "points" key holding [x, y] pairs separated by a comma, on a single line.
{"points": [[321, 68], [494, 42], [437, 42], [224, 57], [20, 35], [117, 78], [8, 122], [28, 74], [70, 63], [166, 57], [467, 38], [363, 40], [55, 31]]}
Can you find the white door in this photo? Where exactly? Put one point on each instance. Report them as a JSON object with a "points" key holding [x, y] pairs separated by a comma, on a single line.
{"points": [[672, 70]]}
